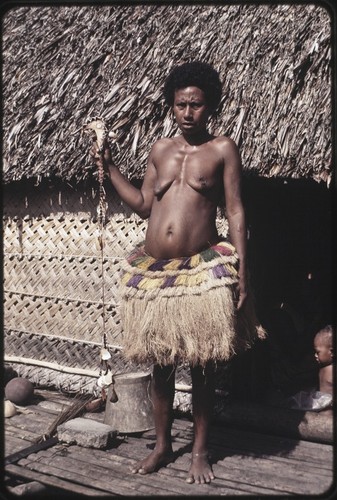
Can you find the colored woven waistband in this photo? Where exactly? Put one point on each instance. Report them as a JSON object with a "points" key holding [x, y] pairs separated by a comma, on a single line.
{"points": [[143, 272]]}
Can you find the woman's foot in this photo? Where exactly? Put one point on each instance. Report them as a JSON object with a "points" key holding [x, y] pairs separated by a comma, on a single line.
{"points": [[200, 471], [153, 462]]}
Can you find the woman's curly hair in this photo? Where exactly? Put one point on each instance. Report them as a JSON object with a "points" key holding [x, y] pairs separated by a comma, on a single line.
{"points": [[196, 74]]}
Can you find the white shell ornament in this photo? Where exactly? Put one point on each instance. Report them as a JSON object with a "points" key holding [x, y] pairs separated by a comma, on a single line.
{"points": [[105, 355], [96, 127], [105, 380]]}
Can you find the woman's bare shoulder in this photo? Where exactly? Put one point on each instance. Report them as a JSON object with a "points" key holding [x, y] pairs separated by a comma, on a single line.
{"points": [[225, 141], [164, 142], [162, 146], [226, 146]]}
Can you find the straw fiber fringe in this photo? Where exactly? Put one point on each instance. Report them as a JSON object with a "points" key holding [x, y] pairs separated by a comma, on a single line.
{"points": [[188, 328], [182, 310]]}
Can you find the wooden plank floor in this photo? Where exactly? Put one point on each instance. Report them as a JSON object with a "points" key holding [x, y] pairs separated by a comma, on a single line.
{"points": [[244, 462]]}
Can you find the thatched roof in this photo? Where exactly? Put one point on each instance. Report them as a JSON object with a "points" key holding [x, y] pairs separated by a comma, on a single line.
{"points": [[63, 64]]}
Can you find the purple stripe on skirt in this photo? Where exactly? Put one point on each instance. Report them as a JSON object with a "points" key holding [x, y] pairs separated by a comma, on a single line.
{"points": [[220, 271], [169, 281], [185, 263], [158, 265], [135, 280]]}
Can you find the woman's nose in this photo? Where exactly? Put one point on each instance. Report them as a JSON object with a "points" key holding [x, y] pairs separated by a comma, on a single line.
{"points": [[187, 112]]}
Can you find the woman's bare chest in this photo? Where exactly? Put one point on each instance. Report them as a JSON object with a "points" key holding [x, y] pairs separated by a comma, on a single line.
{"points": [[197, 171]]}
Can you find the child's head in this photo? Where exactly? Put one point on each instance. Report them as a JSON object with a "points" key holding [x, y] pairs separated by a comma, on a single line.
{"points": [[323, 344]]}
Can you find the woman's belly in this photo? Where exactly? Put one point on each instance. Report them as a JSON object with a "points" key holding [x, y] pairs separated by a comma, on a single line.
{"points": [[174, 233]]}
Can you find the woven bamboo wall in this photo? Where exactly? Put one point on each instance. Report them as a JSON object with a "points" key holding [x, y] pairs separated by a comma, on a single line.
{"points": [[53, 273], [53, 264]]}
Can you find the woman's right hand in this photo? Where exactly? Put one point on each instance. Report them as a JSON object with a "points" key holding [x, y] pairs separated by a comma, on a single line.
{"points": [[102, 159]]}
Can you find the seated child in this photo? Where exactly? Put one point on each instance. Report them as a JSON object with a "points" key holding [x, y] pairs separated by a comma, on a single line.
{"points": [[320, 398], [323, 344]]}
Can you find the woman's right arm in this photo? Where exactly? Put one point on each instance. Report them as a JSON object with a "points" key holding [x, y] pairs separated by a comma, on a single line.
{"points": [[139, 200]]}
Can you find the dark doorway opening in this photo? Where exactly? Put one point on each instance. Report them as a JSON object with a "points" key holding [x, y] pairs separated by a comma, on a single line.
{"points": [[290, 261]]}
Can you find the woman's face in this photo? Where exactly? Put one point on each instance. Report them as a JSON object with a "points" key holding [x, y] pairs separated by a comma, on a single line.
{"points": [[190, 110]]}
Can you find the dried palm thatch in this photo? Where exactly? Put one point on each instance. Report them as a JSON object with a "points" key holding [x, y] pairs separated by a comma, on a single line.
{"points": [[63, 64]]}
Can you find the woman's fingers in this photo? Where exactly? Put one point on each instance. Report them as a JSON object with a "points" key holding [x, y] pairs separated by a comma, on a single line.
{"points": [[94, 152]]}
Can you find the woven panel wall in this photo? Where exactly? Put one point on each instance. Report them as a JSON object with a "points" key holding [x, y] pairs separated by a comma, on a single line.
{"points": [[53, 266], [53, 275]]}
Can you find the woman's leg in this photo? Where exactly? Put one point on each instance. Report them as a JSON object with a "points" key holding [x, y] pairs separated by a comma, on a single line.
{"points": [[203, 389], [162, 395]]}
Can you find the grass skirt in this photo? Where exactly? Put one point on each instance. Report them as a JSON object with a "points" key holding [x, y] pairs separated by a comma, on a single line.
{"points": [[182, 309]]}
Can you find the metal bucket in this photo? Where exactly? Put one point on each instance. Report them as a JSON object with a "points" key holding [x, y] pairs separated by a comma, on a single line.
{"points": [[132, 412]]}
